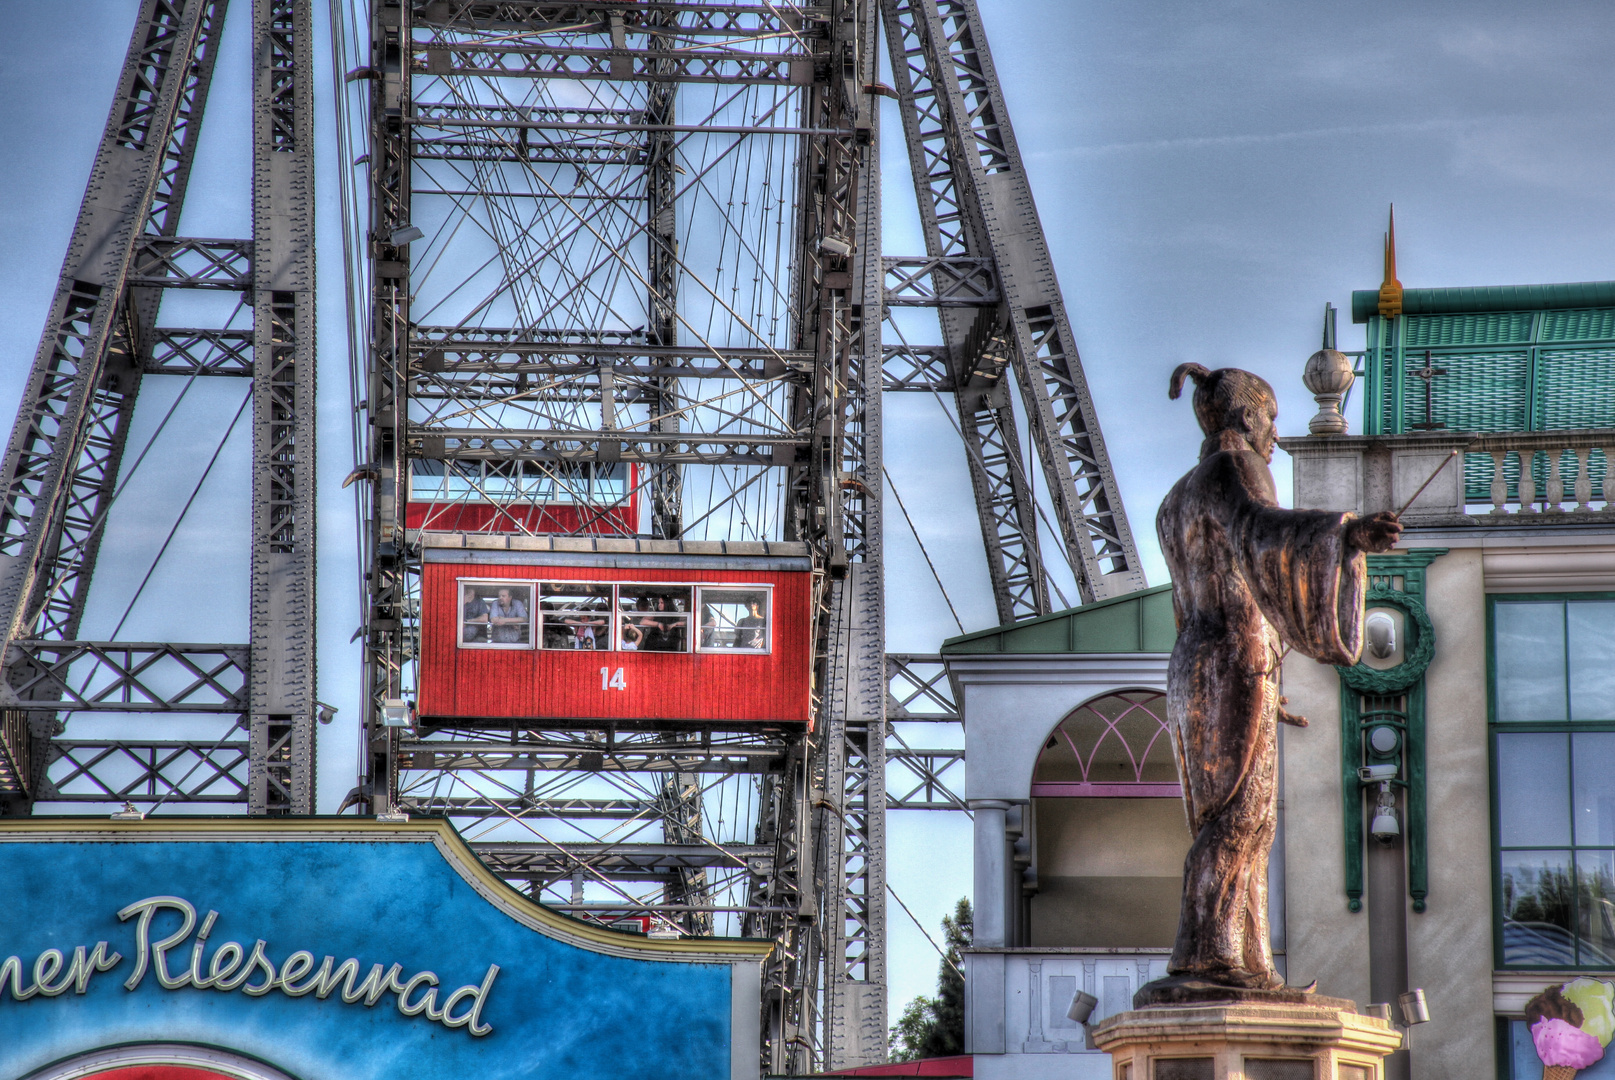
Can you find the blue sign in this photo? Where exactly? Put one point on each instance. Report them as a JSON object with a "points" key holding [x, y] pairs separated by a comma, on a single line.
{"points": [[337, 950]]}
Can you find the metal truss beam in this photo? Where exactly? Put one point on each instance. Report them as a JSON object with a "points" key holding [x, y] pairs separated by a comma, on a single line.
{"points": [[489, 806], [972, 340], [140, 677], [940, 281], [976, 200], [603, 751], [694, 19], [148, 771], [918, 689], [916, 368], [676, 447], [616, 63], [929, 780], [453, 351], [850, 818], [191, 351], [918, 693], [624, 862], [282, 590], [165, 262], [61, 465]]}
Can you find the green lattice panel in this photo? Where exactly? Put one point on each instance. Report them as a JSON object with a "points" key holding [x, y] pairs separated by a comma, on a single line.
{"points": [[1575, 388], [1480, 328], [1387, 397], [1478, 475], [1479, 392], [1582, 324]]}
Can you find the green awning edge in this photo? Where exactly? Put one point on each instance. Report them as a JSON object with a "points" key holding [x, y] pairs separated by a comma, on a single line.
{"points": [[1139, 622]]}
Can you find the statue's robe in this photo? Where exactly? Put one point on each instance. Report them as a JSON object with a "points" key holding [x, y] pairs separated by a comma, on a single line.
{"points": [[1246, 576]]}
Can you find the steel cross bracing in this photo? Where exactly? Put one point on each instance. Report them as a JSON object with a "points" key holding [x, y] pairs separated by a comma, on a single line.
{"points": [[976, 204], [61, 471]]}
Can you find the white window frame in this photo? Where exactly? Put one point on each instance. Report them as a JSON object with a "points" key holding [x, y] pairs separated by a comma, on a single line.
{"points": [[689, 625], [730, 650], [610, 612], [496, 583]]}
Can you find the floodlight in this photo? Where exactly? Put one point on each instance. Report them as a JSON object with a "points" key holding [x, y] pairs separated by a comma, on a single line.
{"points": [[1384, 826], [1082, 1007], [405, 234], [1381, 634], [1415, 1010]]}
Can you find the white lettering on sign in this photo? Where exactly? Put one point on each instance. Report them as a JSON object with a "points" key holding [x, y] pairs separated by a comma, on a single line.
{"points": [[609, 681], [234, 967]]}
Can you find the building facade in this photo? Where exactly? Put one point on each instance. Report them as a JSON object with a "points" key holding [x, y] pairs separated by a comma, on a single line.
{"points": [[1489, 699], [1447, 819]]}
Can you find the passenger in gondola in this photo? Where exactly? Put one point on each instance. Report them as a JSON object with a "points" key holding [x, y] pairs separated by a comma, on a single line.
{"points": [[632, 635], [672, 628], [753, 627], [588, 632], [509, 618], [475, 619]]}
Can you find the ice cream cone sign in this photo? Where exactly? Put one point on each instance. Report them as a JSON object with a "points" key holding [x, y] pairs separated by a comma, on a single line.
{"points": [[1571, 1024]]}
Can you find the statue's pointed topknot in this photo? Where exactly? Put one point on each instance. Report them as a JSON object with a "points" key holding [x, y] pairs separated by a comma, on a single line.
{"points": [[1198, 372]]}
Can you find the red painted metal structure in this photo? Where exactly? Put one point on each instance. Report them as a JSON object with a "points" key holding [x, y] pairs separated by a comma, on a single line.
{"points": [[633, 631], [960, 1066]]}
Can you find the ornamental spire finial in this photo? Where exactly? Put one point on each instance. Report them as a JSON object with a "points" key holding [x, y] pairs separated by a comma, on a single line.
{"points": [[1390, 290]]}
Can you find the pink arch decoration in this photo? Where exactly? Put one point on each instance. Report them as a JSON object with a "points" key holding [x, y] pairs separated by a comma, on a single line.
{"points": [[1149, 703]]}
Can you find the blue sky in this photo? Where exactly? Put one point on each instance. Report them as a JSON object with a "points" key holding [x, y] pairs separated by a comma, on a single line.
{"points": [[1208, 174]]}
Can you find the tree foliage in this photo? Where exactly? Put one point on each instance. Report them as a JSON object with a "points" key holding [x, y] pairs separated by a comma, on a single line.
{"points": [[935, 1026]]}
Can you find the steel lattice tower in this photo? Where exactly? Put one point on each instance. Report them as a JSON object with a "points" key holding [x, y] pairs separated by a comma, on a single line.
{"points": [[583, 240], [101, 340]]}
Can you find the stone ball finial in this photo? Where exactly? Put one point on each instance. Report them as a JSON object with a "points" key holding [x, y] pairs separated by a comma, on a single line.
{"points": [[1328, 375]]}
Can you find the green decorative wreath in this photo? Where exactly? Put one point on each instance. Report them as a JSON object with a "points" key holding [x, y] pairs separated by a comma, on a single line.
{"points": [[1418, 653]]}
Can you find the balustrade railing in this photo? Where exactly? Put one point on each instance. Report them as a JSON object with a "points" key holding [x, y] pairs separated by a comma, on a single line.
{"points": [[1543, 472]]}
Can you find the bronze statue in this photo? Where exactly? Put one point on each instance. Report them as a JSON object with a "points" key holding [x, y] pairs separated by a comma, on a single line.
{"points": [[1246, 576]]}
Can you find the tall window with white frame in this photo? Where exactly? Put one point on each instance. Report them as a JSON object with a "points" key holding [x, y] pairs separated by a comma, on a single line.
{"points": [[1552, 708]]}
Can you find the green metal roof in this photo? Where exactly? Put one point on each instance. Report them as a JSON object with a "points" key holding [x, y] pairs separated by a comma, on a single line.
{"points": [[1140, 622], [1494, 359], [1578, 294]]}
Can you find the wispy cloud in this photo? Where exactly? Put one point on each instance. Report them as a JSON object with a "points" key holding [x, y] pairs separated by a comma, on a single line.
{"points": [[1205, 142]]}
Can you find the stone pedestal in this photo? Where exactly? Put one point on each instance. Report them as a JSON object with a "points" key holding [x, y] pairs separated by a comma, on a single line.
{"points": [[1245, 1041]]}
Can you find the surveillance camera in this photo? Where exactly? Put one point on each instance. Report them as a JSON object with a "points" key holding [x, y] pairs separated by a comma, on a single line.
{"points": [[1376, 774]]}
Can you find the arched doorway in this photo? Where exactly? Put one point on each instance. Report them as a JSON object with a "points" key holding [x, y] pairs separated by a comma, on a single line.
{"points": [[1108, 829]]}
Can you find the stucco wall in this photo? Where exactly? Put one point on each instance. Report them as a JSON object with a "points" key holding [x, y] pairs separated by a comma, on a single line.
{"points": [[1325, 941], [1450, 943]]}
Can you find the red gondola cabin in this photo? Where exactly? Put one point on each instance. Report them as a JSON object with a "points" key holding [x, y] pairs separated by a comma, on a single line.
{"points": [[594, 499], [585, 628]]}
